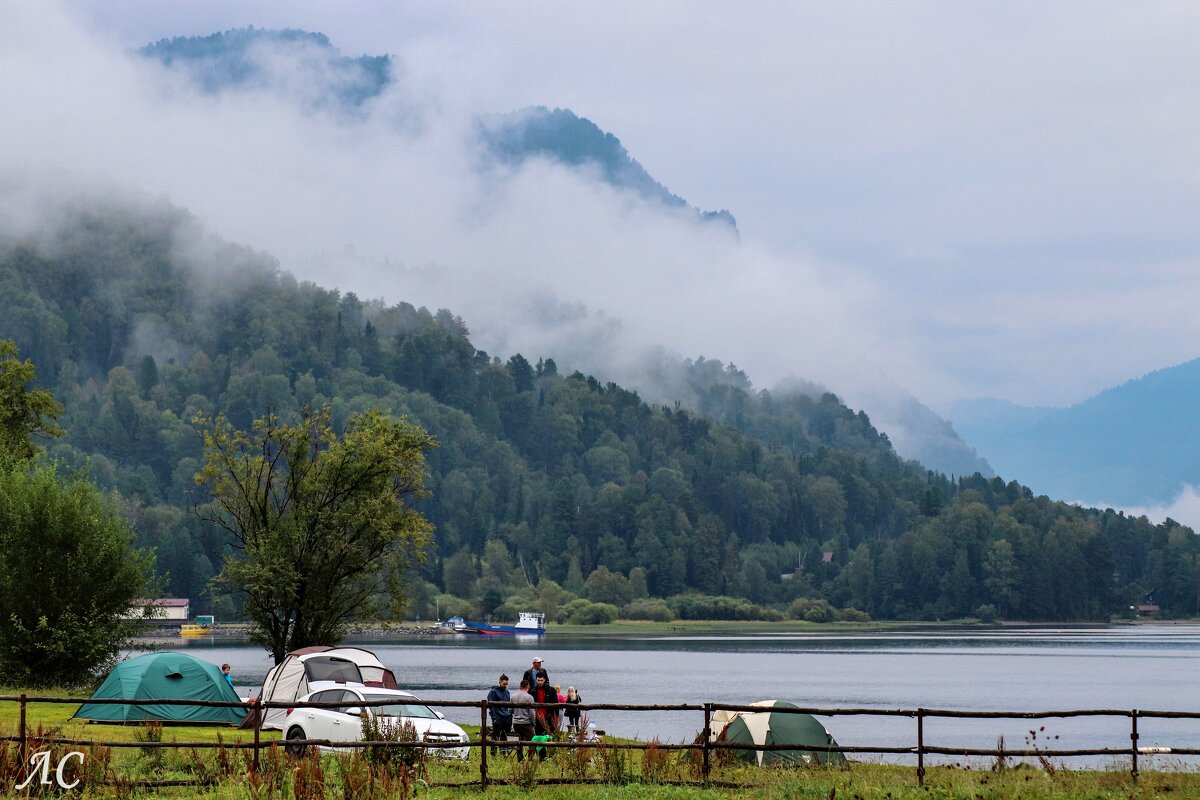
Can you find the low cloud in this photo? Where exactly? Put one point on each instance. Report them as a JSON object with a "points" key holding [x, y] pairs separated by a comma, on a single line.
{"points": [[1185, 508], [394, 204]]}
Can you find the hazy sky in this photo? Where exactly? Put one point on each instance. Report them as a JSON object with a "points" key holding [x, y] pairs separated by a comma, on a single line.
{"points": [[968, 199]]}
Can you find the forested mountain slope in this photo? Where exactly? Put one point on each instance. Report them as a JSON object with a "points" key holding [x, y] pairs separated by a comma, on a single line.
{"points": [[549, 487]]}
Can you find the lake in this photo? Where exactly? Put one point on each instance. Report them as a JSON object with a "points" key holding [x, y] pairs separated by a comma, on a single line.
{"points": [[1152, 667]]}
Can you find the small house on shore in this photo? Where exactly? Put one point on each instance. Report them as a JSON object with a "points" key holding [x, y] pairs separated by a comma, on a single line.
{"points": [[160, 609]]}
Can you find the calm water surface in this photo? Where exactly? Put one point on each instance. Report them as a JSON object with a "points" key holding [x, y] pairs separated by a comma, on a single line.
{"points": [[1035, 669]]}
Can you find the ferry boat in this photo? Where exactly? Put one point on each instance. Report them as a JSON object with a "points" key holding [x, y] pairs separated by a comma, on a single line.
{"points": [[529, 623]]}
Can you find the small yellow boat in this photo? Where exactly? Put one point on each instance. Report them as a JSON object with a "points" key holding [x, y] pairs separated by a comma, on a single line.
{"points": [[203, 625], [189, 629]]}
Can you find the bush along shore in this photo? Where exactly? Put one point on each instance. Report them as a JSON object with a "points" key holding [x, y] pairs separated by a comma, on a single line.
{"points": [[185, 761]]}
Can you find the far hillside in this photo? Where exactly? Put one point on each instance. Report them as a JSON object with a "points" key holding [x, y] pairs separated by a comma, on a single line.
{"points": [[1133, 445]]}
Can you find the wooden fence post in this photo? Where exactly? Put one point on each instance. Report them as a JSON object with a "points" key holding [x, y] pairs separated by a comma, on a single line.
{"points": [[707, 735], [1133, 741], [256, 710], [920, 747], [23, 733], [483, 747]]}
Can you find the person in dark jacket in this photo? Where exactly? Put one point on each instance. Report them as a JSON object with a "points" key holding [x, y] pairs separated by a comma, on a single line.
{"points": [[546, 720], [501, 717], [532, 673]]}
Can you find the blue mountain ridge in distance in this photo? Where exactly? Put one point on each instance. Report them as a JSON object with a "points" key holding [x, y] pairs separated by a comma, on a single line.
{"points": [[1133, 444], [234, 60]]}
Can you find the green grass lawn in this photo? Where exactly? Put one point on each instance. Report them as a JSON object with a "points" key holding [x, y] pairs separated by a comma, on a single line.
{"points": [[57, 716], [614, 774]]}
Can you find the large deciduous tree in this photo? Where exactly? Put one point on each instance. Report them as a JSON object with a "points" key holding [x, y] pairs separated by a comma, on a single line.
{"points": [[70, 575], [321, 525], [70, 572]]}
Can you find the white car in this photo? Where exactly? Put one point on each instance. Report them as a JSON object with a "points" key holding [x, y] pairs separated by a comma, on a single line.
{"points": [[345, 724]]}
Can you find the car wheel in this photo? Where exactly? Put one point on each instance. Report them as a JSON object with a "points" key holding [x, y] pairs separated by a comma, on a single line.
{"points": [[297, 750]]}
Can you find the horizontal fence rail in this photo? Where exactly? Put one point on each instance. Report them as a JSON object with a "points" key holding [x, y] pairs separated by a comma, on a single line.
{"points": [[705, 743]]}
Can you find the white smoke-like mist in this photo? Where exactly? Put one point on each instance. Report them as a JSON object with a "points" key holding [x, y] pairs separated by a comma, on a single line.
{"points": [[543, 259], [1184, 508]]}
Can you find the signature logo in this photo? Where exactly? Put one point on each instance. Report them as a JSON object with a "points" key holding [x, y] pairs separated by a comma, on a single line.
{"points": [[40, 762]]}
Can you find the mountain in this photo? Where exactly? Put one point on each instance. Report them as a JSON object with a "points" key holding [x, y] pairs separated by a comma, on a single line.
{"points": [[307, 67], [248, 58], [1135, 444], [919, 433], [562, 136], [705, 385], [549, 488]]}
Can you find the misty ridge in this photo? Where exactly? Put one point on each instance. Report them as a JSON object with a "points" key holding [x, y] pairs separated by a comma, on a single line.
{"points": [[244, 59], [308, 67], [372, 173], [593, 330], [549, 487]]}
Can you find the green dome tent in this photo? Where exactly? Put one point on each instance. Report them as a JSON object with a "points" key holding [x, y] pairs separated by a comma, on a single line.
{"points": [[164, 676], [771, 727]]}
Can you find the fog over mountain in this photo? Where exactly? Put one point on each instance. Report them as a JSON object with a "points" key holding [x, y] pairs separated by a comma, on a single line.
{"points": [[1003, 227], [536, 254], [309, 68]]}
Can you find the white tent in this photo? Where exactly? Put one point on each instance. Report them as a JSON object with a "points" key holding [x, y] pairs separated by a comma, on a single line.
{"points": [[289, 679]]}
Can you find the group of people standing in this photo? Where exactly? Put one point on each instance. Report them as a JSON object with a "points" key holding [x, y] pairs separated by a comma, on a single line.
{"points": [[536, 720]]}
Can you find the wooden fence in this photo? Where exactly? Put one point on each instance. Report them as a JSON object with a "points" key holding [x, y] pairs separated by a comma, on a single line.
{"points": [[704, 745]]}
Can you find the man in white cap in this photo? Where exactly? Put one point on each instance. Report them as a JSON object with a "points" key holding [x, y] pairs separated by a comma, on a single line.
{"points": [[533, 672]]}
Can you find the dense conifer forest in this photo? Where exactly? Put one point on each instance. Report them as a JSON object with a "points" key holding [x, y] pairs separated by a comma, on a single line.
{"points": [[550, 489]]}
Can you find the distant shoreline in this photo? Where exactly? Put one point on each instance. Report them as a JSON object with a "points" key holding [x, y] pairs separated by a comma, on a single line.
{"points": [[384, 630]]}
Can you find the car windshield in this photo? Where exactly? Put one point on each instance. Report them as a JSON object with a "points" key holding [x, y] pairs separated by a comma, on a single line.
{"points": [[398, 709], [332, 668]]}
